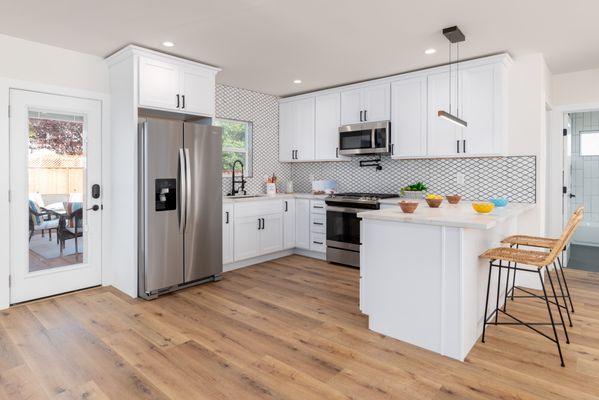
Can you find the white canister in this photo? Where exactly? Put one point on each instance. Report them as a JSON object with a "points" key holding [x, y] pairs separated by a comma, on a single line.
{"points": [[289, 187], [271, 189]]}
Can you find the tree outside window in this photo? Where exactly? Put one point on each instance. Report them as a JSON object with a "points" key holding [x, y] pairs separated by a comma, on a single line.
{"points": [[237, 145]]}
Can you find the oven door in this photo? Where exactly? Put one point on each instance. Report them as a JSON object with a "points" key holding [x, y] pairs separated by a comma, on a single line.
{"points": [[343, 228]]}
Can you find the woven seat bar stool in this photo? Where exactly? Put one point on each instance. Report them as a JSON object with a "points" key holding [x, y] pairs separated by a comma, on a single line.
{"points": [[543, 243], [539, 259]]}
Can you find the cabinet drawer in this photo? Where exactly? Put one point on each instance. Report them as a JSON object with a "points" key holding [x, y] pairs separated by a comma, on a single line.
{"points": [[258, 208], [318, 223], [318, 242], [317, 206]]}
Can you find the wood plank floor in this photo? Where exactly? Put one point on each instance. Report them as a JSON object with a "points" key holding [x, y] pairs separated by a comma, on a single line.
{"points": [[287, 329]]}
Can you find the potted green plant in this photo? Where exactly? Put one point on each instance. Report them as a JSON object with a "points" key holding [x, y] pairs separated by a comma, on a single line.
{"points": [[415, 191]]}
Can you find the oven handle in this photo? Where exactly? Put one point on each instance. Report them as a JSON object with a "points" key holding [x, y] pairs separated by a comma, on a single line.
{"points": [[346, 209]]}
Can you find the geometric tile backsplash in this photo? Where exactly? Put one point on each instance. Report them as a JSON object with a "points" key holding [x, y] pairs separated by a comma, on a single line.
{"points": [[511, 177]]}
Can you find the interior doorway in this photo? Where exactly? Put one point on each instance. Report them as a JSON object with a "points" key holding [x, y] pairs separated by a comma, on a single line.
{"points": [[581, 168], [55, 186]]}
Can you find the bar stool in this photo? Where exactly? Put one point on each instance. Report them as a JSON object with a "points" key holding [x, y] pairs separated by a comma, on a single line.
{"points": [[544, 243], [539, 259]]}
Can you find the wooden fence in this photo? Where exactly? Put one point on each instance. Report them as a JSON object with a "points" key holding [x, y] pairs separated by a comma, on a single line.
{"points": [[56, 180]]}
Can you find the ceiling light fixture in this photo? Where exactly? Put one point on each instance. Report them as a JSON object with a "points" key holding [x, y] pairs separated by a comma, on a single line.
{"points": [[428, 52], [168, 44], [297, 81], [454, 35]]}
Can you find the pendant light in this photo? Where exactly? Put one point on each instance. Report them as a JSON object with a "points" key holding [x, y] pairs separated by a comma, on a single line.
{"points": [[454, 35]]}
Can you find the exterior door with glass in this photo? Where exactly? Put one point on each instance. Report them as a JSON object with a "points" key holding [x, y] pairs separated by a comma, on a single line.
{"points": [[55, 194]]}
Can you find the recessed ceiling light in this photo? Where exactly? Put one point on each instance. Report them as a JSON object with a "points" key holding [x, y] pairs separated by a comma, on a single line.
{"points": [[430, 51], [168, 44], [297, 81]]}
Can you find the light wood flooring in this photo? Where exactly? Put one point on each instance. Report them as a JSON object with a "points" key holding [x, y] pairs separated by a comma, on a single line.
{"points": [[287, 329]]}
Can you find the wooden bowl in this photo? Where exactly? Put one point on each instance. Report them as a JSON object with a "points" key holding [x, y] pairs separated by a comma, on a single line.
{"points": [[408, 206], [434, 203], [454, 198]]}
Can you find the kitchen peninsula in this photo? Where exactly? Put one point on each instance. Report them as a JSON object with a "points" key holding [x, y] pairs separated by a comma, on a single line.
{"points": [[422, 281]]}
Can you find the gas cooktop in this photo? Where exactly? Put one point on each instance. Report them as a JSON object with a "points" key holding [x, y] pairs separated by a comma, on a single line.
{"points": [[369, 200]]}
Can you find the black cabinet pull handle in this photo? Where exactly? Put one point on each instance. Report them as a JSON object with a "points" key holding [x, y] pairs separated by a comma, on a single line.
{"points": [[458, 146], [317, 242], [318, 207], [361, 115], [392, 149], [263, 223], [227, 215], [177, 101], [365, 119], [286, 206], [337, 152], [317, 223], [297, 154], [464, 145], [183, 98], [259, 223]]}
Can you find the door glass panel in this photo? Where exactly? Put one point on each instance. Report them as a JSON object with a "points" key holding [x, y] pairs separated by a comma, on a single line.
{"points": [[343, 227], [56, 181], [356, 140]]}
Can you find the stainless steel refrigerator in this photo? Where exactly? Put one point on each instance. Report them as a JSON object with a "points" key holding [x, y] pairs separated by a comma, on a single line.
{"points": [[180, 205]]}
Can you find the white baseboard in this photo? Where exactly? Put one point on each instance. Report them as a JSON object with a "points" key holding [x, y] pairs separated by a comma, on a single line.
{"points": [[273, 256]]}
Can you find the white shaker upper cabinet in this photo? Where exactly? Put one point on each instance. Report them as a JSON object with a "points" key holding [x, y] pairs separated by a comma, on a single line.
{"points": [[286, 131], [408, 117], [482, 107], [327, 121], [444, 137], [296, 130], [158, 84], [197, 90], [368, 103]]}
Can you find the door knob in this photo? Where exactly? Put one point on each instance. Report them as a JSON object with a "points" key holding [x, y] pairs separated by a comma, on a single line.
{"points": [[95, 207]]}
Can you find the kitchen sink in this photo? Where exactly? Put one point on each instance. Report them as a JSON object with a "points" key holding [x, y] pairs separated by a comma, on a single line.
{"points": [[244, 196]]}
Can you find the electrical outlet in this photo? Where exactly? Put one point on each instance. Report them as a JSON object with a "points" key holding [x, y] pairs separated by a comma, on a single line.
{"points": [[460, 178]]}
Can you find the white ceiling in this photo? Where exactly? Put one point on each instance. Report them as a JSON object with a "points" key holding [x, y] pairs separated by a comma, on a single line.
{"points": [[265, 44]]}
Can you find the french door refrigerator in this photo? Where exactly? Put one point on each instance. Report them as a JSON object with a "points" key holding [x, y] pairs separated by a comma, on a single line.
{"points": [[180, 205]]}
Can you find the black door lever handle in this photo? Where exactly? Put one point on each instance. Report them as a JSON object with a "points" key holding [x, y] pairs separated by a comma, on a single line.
{"points": [[95, 207]]}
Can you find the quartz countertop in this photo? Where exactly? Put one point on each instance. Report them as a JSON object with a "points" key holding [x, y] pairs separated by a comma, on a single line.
{"points": [[459, 215], [278, 196]]}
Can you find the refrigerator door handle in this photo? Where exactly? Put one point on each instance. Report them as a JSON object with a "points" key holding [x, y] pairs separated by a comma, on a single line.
{"points": [[188, 185], [183, 194]]}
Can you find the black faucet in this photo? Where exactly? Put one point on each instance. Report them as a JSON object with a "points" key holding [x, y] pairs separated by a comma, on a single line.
{"points": [[233, 181]]}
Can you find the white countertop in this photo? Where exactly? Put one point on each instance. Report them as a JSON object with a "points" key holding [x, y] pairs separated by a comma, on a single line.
{"points": [[459, 215], [278, 196]]}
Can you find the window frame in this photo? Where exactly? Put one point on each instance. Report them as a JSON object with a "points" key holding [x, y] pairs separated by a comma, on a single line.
{"points": [[594, 132], [248, 150]]}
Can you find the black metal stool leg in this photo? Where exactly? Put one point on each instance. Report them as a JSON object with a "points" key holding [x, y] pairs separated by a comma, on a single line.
{"points": [[507, 285], [559, 309], [561, 268], [514, 279], [559, 349], [559, 281], [487, 300], [498, 290]]}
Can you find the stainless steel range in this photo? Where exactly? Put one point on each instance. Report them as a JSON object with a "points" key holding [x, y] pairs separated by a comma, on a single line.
{"points": [[343, 225]]}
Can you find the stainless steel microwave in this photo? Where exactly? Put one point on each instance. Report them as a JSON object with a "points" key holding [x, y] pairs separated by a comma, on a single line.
{"points": [[365, 138]]}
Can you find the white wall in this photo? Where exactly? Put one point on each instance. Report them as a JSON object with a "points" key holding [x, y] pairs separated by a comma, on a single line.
{"points": [[529, 91], [576, 88], [34, 66]]}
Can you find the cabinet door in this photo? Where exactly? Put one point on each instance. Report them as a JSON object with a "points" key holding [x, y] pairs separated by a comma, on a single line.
{"points": [[327, 120], [158, 84], [351, 106], [481, 108], [197, 87], [303, 138], [246, 238], [377, 102], [289, 223], [271, 235], [286, 130], [227, 233], [443, 135], [302, 223], [408, 117]]}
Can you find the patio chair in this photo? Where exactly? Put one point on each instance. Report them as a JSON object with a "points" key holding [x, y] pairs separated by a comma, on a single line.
{"points": [[71, 226], [41, 220]]}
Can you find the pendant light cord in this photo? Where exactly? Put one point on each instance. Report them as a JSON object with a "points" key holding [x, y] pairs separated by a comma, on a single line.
{"points": [[457, 67], [450, 77]]}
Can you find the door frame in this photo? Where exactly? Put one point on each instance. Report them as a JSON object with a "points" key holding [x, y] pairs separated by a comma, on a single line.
{"points": [[554, 209], [104, 99]]}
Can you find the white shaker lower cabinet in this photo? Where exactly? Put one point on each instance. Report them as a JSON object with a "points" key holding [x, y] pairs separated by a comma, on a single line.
{"points": [[289, 223], [302, 224], [271, 234], [247, 237], [228, 231], [318, 226]]}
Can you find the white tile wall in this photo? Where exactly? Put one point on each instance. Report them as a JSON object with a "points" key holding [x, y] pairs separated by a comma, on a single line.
{"points": [[585, 170]]}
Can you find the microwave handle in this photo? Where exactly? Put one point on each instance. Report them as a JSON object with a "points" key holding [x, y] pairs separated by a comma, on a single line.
{"points": [[361, 115]]}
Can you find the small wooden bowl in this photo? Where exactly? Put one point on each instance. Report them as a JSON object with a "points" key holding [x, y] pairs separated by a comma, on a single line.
{"points": [[454, 198], [408, 206], [434, 203]]}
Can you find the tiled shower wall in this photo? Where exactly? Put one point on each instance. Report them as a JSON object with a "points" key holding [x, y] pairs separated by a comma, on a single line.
{"points": [[262, 111], [585, 170], [512, 177]]}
